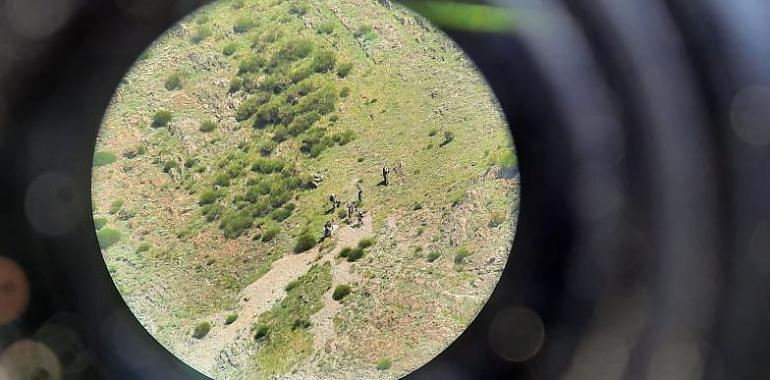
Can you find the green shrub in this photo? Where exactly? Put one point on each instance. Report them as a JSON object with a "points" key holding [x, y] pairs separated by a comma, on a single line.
{"points": [[99, 223], [301, 323], [201, 330], [208, 197], [161, 118], [342, 138], [433, 132], [230, 48], [433, 256], [207, 126], [362, 30], [201, 33], [355, 254], [262, 332], [324, 61], [326, 28], [461, 255], [230, 319], [340, 292], [304, 242], [115, 206], [280, 214], [243, 24], [270, 232], [384, 364], [222, 179], [267, 148], [102, 158], [173, 82], [497, 218], [343, 69], [250, 106], [267, 166], [345, 252], [190, 162], [234, 225], [252, 64], [365, 243], [107, 237], [417, 206], [170, 165], [203, 19], [301, 73], [344, 92], [237, 4], [298, 9], [292, 51], [302, 123], [323, 101], [211, 211], [144, 247], [235, 85]]}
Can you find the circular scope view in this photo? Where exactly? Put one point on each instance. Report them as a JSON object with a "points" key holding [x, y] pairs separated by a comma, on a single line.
{"points": [[305, 190]]}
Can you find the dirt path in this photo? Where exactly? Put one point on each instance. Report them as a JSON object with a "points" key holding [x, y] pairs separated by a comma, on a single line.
{"points": [[225, 344]]}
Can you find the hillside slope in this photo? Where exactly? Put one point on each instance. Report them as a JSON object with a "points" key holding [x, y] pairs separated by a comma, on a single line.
{"points": [[214, 168]]}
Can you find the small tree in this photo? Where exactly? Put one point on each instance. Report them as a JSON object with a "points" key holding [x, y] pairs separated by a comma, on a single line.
{"points": [[304, 242], [201, 330], [161, 119], [340, 292]]}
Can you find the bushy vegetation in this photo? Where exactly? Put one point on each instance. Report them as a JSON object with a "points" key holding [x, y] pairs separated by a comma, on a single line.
{"points": [[115, 206], [208, 197], [461, 255], [355, 254], [173, 82], [200, 33], [267, 166], [343, 69], [161, 118], [340, 292], [99, 223], [365, 243], [384, 364], [230, 48], [207, 126], [243, 24], [433, 256], [325, 28], [324, 61], [102, 158], [305, 241], [261, 332], [234, 225], [107, 237], [143, 247], [201, 330], [230, 319], [270, 232]]}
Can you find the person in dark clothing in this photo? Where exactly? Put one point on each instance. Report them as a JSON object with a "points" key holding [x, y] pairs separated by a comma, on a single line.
{"points": [[385, 172]]}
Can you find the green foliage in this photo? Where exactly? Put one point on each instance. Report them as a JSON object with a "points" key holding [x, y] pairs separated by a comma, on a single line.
{"points": [[496, 218], [235, 85], [234, 225], [301, 72], [107, 237], [355, 254], [200, 33], [211, 211], [237, 4], [433, 132], [222, 179], [292, 51], [433, 256], [299, 9], [208, 197], [344, 92], [384, 364], [143, 247], [365, 243], [506, 158], [161, 118], [230, 319], [99, 223], [173, 82], [262, 332], [323, 101], [270, 232], [202, 19], [343, 69], [252, 64], [326, 28], [230, 48], [363, 30], [340, 292], [250, 106], [207, 126], [102, 158], [201, 330], [243, 24], [267, 165], [345, 252], [304, 242], [170, 165], [301, 323], [267, 148], [324, 61], [461, 255], [115, 206]]}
